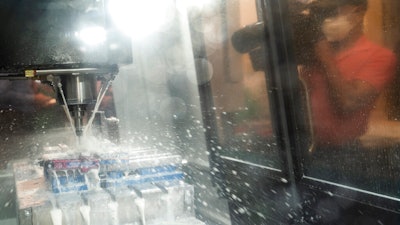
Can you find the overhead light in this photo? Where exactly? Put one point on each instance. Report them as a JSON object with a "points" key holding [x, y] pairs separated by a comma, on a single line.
{"points": [[92, 35], [139, 18]]}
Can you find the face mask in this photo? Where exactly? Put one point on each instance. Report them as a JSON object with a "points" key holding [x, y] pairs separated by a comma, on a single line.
{"points": [[336, 28]]}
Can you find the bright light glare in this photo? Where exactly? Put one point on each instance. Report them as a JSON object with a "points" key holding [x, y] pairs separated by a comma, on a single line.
{"points": [[92, 35], [199, 4], [139, 18]]}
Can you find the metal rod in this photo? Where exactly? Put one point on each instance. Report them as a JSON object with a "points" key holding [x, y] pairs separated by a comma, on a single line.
{"points": [[72, 71], [100, 97], [65, 107]]}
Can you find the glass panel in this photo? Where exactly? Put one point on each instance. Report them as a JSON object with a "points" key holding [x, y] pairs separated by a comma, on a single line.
{"points": [[150, 165], [239, 87], [347, 63]]}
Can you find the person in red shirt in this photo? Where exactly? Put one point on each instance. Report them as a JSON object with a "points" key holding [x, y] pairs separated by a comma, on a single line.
{"points": [[349, 74]]}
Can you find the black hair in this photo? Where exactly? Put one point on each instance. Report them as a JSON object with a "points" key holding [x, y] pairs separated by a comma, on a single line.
{"points": [[336, 3], [362, 3]]}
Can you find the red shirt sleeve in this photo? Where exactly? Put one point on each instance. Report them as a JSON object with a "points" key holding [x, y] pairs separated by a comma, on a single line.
{"points": [[378, 69], [368, 62]]}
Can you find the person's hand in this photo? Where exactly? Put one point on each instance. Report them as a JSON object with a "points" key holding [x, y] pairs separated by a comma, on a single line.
{"points": [[324, 52], [42, 101]]}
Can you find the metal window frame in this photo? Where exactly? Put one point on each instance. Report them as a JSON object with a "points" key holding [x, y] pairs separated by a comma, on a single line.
{"points": [[282, 77]]}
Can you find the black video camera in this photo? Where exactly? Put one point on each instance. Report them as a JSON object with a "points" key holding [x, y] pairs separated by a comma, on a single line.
{"points": [[306, 21]]}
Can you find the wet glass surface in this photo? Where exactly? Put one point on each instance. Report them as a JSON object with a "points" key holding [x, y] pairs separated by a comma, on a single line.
{"points": [[352, 145], [191, 87]]}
